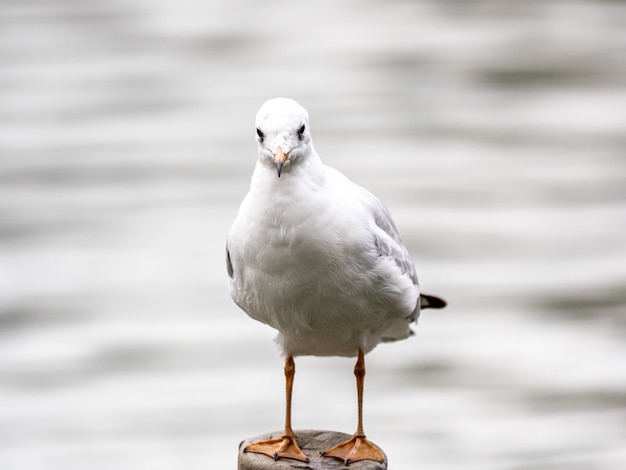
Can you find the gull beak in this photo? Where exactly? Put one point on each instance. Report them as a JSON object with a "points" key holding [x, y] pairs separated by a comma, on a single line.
{"points": [[280, 158]]}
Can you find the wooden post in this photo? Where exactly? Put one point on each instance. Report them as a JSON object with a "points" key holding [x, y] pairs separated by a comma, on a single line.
{"points": [[312, 443]]}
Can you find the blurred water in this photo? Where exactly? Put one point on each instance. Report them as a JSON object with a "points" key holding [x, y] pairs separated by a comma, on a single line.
{"points": [[495, 132]]}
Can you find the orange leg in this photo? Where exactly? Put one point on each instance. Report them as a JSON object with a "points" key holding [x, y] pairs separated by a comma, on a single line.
{"points": [[286, 446], [357, 447]]}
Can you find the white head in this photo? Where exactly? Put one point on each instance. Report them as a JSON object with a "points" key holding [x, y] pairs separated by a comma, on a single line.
{"points": [[282, 132]]}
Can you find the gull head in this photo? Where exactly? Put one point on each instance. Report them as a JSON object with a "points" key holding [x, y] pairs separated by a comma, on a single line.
{"points": [[282, 133]]}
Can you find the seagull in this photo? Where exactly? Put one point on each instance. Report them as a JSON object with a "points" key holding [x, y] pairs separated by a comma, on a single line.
{"points": [[318, 258]]}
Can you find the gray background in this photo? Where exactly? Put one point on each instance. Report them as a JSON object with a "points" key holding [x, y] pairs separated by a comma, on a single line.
{"points": [[494, 131]]}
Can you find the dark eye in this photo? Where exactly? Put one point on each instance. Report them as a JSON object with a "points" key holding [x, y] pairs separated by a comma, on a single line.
{"points": [[301, 130], [260, 134]]}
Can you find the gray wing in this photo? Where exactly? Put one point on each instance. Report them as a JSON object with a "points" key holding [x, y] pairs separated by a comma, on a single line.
{"points": [[391, 245]]}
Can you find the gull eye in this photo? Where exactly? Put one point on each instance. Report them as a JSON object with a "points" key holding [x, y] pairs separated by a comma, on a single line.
{"points": [[260, 134], [301, 131]]}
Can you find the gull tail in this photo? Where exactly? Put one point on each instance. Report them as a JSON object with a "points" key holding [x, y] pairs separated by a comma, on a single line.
{"points": [[431, 301], [400, 329]]}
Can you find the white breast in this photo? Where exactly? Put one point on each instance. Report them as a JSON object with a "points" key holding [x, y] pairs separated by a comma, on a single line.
{"points": [[307, 266]]}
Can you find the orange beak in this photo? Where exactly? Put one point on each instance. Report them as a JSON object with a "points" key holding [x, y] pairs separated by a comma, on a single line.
{"points": [[280, 158]]}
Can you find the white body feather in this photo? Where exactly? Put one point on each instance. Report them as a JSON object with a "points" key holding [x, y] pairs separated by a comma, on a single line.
{"points": [[310, 257]]}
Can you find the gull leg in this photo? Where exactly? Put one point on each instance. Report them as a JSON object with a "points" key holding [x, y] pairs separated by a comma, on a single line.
{"points": [[357, 447], [286, 446]]}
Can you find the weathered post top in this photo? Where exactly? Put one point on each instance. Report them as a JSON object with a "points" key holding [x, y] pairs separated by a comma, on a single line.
{"points": [[312, 443]]}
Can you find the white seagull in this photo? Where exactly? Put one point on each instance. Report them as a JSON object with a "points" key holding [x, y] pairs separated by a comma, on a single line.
{"points": [[318, 258]]}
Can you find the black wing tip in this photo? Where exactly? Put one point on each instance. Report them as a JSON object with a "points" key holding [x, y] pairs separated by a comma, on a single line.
{"points": [[229, 264], [431, 301]]}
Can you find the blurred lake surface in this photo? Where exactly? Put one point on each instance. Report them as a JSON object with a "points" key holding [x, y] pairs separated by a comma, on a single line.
{"points": [[494, 130]]}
